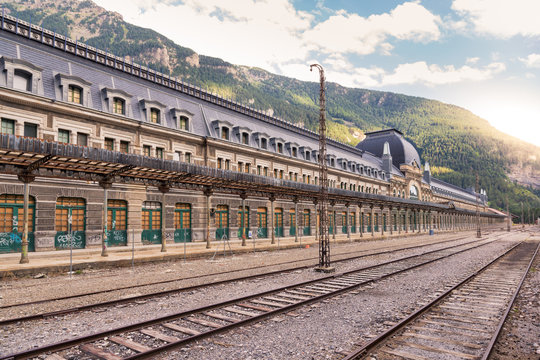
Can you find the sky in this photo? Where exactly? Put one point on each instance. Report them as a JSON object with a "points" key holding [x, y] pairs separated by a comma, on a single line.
{"points": [[482, 55]]}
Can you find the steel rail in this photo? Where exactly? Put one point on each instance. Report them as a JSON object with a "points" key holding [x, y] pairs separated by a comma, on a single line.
{"points": [[88, 338], [187, 288], [358, 353], [511, 303]]}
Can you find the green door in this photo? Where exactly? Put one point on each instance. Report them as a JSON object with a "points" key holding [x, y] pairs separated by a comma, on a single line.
{"points": [[262, 225], [70, 235], [352, 217], [182, 223], [384, 222], [222, 222], [344, 223], [243, 222], [11, 223], [116, 223], [368, 216], [395, 222], [307, 222], [292, 228], [331, 222], [151, 223], [376, 223], [278, 222]]}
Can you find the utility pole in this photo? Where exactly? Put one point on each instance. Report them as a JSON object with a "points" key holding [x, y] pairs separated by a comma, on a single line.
{"points": [[324, 238], [478, 231], [522, 224], [508, 215]]}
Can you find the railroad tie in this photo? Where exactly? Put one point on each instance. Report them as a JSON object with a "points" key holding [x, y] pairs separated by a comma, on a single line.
{"points": [[159, 335], [93, 350], [181, 329], [203, 322], [130, 344]]}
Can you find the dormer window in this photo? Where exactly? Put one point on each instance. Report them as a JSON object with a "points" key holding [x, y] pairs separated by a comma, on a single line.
{"points": [[119, 106], [280, 148], [155, 116], [183, 123], [20, 75], [22, 80], [308, 156], [294, 152], [245, 138], [332, 162], [75, 94], [264, 143], [225, 133]]}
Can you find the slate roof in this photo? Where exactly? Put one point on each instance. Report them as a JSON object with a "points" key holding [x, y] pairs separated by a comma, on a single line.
{"points": [[205, 107]]}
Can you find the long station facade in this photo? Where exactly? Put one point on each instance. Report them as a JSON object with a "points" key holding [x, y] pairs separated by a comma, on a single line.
{"points": [[54, 90]]}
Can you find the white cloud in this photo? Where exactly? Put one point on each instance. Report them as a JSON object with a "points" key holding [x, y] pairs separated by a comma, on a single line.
{"points": [[501, 18], [272, 34], [531, 61], [411, 73], [430, 75], [472, 60], [351, 33]]}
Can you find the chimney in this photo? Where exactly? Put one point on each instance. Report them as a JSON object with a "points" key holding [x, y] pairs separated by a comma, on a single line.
{"points": [[387, 160], [427, 173]]}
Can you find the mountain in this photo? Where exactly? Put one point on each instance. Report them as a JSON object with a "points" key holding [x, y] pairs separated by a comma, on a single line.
{"points": [[453, 140]]}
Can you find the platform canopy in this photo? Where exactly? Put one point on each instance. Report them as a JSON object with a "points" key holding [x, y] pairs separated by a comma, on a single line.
{"points": [[33, 157]]}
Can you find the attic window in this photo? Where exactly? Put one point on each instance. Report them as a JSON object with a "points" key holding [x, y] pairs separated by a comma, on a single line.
{"points": [[75, 94], [155, 116], [264, 143], [119, 106], [280, 148], [308, 156], [332, 162], [22, 80], [225, 133], [294, 152], [183, 123], [245, 138]]}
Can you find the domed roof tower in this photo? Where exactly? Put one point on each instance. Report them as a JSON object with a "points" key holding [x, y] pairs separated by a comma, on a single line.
{"points": [[403, 152]]}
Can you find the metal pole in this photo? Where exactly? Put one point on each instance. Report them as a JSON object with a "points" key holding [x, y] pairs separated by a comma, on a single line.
{"points": [[348, 221], [133, 249], [272, 216], [296, 220], [324, 239], [105, 219], [361, 220], [522, 224], [164, 189], [243, 219], [70, 244], [390, 215], [478, 231], [507, 216], [207, 193], [372, 220], [24, 249]]}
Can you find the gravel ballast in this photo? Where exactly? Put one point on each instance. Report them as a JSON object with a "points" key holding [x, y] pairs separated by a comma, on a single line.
{"points": [[358, 315]]}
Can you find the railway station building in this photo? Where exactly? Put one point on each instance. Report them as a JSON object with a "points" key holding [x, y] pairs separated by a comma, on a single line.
{"points": [[67, 95]]}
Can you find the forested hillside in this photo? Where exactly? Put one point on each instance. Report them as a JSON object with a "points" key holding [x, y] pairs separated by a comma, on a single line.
{"points": [[454, 141]]}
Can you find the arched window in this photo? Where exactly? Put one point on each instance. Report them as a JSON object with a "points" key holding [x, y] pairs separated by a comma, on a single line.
{"points": [[70, 234], [11, 222], [413, 192]]}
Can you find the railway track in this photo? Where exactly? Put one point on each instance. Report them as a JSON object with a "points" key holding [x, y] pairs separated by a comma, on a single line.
{"points": [[124, 300], [462, 323], [148, 338]]}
